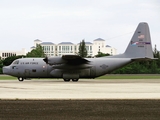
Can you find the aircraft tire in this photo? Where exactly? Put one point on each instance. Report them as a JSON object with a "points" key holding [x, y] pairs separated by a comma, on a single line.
{"points": [[66, 80], [75, 80], [20, 79]]}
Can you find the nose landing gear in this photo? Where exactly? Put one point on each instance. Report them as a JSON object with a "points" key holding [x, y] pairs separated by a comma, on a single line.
{"points": [[20, 79]]}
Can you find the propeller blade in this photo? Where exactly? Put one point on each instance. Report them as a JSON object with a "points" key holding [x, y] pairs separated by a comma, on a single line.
{"points": [[45, 60]]}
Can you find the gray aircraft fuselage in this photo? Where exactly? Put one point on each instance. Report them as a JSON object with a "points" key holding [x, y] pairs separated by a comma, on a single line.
{"points": [[37, 68]]}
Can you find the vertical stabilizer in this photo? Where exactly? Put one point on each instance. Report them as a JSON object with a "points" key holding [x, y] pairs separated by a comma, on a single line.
{"points": [[140, 45]]}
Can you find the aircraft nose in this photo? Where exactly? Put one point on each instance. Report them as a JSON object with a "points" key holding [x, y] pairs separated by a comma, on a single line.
{"points": [[6, 70]]}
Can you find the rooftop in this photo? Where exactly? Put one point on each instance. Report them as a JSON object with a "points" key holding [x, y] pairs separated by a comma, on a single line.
{"points": [[99, 39], [108, 46], [33, 47], [38, 40], [87, 43], [65, 43], [47, 43]]}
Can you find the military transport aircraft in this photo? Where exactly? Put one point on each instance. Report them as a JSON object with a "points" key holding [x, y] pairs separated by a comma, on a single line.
{"points": [[73, 67]]}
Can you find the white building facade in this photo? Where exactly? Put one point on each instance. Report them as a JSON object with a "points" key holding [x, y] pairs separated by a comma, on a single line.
{"points": [[49, 48], [4, 53], [65, 48]]}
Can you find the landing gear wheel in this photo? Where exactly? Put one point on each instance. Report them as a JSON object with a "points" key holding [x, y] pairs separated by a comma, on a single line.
{"points": [[66, 80], [75, 80], [20, 79]]}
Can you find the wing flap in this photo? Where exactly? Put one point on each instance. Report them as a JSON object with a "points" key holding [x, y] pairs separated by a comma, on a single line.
{"points": [[74, 59]]}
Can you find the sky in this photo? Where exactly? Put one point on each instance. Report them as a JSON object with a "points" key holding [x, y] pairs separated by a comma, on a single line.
{"points": [[23, 21]]}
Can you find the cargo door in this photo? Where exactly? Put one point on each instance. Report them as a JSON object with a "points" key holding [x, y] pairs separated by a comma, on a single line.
{"points": [[27, 73]]}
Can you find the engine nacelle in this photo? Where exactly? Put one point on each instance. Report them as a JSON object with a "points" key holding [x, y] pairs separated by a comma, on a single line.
{"points": [[60, 74], [54, 60], [69, 67], [56, 73]]}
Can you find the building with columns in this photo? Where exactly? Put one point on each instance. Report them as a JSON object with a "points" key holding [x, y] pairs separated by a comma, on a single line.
{"points": [[65, 48]]}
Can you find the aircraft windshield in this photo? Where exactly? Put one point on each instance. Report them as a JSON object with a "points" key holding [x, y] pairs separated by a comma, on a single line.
{"points": [[16, 62]]}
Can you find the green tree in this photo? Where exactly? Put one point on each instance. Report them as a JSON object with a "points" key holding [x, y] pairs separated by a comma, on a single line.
{"points": [[100, 54], [82, 49], [157, 62], [38, 52], [143, 67], [1, 65], [9, 60], [156, 52]]}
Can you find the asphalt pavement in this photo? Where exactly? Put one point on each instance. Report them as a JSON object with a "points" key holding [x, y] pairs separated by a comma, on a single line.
{"points": [[79, 110], [83, 100]]}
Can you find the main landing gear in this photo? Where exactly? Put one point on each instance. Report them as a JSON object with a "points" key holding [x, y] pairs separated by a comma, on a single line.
{"points": [[66, 80], [20, 79], [74, 80]]}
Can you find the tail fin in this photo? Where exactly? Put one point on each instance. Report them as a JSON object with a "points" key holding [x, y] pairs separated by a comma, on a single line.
{"points": [[140, 45]]}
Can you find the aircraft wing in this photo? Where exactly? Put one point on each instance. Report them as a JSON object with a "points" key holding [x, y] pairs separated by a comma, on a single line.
{"points": [[74, 59], [66, 59]]}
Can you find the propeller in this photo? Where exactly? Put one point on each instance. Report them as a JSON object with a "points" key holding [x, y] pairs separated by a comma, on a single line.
{"points": [[45, 60]]}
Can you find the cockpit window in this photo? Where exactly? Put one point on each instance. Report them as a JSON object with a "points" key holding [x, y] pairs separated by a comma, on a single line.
{"points": [[16, 62]]}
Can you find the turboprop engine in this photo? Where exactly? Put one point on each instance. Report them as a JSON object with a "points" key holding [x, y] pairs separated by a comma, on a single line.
{"points": [[54, 60], [66, 59]]}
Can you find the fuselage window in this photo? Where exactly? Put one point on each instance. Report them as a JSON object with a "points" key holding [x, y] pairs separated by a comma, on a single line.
{"points": [[33, 70], [16, 62]]}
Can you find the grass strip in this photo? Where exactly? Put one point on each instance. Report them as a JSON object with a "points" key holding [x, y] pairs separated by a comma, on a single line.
{"points": [[130, 76], [6, 77], [109, 76]]}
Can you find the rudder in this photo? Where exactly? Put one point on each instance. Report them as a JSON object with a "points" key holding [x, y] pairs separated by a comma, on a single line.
{"points": [[140, 45]]}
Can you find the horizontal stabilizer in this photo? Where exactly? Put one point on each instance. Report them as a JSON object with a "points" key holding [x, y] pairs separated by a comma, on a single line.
{"points": [[142, 59]]}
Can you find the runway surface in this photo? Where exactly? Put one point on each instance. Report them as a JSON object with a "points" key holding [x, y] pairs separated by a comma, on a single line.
{"points": [[84, 89], [83, 100]]}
